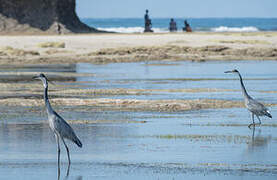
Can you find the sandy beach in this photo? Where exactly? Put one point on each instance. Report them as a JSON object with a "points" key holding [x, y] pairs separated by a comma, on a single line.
{"points": [[108, 48]]}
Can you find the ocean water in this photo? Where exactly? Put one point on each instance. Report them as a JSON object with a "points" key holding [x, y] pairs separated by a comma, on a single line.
{"points": [[159, 25]]}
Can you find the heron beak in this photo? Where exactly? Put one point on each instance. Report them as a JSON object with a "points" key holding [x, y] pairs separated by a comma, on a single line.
{"points": [[228, 71], [35, 77]]}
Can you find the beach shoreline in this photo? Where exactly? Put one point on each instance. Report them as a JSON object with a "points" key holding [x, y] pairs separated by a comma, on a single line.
{"points": [[115, 47]]}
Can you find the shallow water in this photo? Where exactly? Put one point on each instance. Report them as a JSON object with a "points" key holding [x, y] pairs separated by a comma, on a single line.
{"points": [[258, 75], [200, 144]]}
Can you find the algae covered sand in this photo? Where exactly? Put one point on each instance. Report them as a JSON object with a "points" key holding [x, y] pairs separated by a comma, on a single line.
{"points": [[109, 48]]}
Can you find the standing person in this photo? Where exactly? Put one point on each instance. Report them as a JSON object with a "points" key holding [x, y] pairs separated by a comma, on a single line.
{"points": [[147, 22], [172, 25], [146, 16], [187, 27]]}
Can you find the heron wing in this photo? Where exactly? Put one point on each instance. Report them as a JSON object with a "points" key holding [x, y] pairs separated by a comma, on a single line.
{"points": [[64, 129], [255, 106]]}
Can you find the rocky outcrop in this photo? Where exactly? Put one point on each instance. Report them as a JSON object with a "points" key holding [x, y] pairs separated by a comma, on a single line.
{"points": [[38, 16]]}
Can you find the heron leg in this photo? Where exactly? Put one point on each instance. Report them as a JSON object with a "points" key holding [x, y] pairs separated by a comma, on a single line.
{"points": [[252, 124], [253, 134], [259, 120], [68, 169], [59, 173], [59, 152], [67, 150], [253, 137]]}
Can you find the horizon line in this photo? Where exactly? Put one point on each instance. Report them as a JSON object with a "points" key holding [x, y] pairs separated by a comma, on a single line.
{"points": [[180, 17]]}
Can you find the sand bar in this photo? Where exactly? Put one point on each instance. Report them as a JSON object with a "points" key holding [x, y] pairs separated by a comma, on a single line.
{"points": [[107, 48]]}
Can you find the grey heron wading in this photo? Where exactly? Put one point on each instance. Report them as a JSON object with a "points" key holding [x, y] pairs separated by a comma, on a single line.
{"points": [[62, 130], [256, 108]]}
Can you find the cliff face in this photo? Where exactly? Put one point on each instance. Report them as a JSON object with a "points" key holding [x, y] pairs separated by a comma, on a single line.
{"points": [[50, 16]]}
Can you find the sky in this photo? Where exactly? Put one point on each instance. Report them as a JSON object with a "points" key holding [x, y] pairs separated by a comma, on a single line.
{"points": [[176, 8]]}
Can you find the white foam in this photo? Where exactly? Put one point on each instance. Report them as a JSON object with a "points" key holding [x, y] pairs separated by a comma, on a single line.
{"points": [[235, 29], [164, 30], [131, 29]]}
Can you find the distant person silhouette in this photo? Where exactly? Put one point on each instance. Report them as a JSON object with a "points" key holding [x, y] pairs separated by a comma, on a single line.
{"points": [[146, 16], [147, 22], [59, 28], [187, 27], [172, 25]]}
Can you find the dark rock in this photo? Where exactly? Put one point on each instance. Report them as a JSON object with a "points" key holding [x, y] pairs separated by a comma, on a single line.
{"points": [[37, 16]]}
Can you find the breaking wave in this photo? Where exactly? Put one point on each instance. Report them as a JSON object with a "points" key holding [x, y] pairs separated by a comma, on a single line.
{"points": [[235, 29], [131, 29], [165, 30]]}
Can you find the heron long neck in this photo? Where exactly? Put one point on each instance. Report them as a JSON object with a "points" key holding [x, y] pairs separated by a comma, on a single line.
{"points": [[244, 92], [46, 100]]}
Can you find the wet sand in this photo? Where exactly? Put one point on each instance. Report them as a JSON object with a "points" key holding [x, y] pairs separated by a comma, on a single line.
{"points": [[108, 48]]}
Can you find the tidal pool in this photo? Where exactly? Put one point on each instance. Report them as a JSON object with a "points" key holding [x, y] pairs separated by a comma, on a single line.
{"points": [[259, 76], [199, 144]]}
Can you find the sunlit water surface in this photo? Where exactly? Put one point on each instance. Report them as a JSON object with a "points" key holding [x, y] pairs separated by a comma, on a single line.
{"points": [[200, 144]]}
